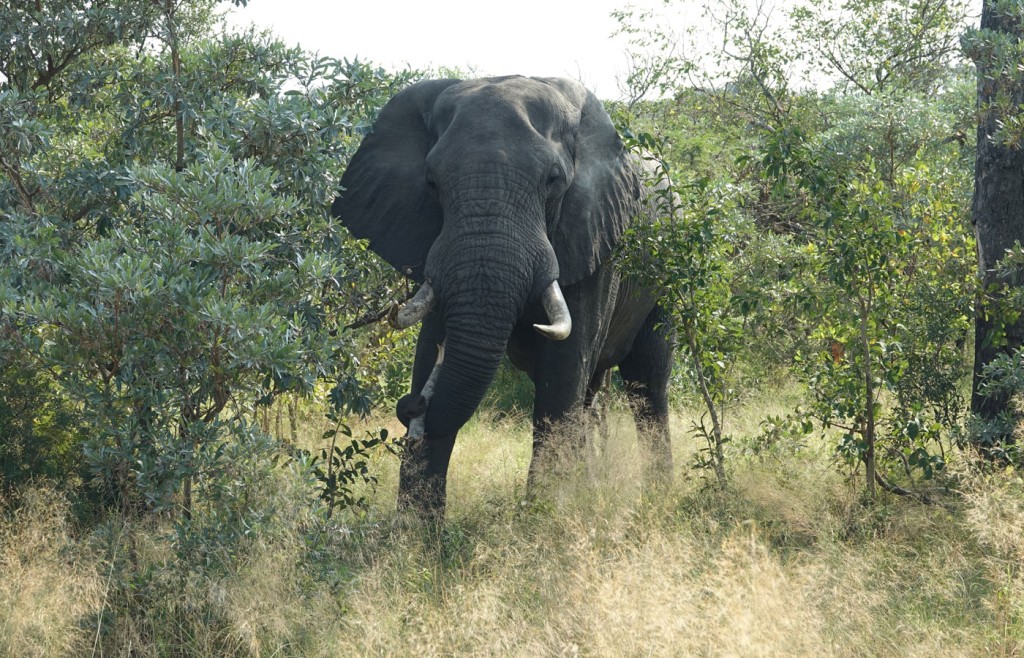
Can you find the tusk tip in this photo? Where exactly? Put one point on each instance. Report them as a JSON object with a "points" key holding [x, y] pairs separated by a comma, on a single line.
{"points": [[553, 332]]}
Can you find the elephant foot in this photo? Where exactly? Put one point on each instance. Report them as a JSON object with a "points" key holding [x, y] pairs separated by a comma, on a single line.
{"points": [[423, 497], [422, 504], [560, 448], [422, 480], [556, 472], [658, 473], [657, 481]]}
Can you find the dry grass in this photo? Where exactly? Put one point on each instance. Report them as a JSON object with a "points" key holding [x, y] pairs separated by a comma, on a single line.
{"points": [[785, 562], [49, 586]]}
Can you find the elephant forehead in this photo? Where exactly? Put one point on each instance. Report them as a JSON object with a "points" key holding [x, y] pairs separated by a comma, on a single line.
{"points": [[508, 103]]}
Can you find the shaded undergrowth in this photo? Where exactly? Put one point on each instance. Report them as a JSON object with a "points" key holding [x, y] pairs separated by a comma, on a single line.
{"points": [[785, 561]]}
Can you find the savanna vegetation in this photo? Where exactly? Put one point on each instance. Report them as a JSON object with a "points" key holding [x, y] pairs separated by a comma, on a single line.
{"points": [[197, 443]]}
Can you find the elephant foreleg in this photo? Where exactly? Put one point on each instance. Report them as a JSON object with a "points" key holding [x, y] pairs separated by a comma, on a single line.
{"points": [[424, 469], [423, 477], [645, 372], [559, 434], [565, 377], [596, 405]]}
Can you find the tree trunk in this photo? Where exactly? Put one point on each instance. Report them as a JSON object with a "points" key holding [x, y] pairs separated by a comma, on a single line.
{"points": [[179, 117], [998, 213], [717, 454], [293, 418], [864, 306]]}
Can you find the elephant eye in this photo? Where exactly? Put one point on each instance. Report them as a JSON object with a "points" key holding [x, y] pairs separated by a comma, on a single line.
{"points": [[555, 176]]}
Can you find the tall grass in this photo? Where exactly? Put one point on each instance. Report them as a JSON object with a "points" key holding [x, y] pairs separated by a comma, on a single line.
{"points": [[48, 584], [786, 561]]}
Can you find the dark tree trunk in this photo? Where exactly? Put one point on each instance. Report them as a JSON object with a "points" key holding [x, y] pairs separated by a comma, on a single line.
{"points": [[179, 117], [998, 211]]}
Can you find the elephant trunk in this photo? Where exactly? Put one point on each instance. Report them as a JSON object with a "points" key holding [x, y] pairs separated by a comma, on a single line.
{"points": [[486, 274], [491, 259], [470, 361]]}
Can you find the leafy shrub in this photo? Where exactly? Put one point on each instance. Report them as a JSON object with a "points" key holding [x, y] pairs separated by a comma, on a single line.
{"points": [[1002, 377], [167, 253], [41, 430]]}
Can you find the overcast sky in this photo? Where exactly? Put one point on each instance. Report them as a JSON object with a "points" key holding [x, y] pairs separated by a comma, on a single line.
{"points": [[571, 38]]}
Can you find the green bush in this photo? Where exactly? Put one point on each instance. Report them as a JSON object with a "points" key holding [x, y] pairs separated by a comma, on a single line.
{"points": [[40, 430]]}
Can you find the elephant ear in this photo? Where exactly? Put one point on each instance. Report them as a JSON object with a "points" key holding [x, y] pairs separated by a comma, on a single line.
{"points": [[384, 194], [603, 197]]}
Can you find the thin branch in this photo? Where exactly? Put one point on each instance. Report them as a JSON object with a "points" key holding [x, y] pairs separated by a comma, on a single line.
{"points": [[19, 185], [373, 317], [179, 118], [904, 493]]}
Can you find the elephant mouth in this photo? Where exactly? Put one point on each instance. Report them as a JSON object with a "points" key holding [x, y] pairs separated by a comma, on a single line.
{"points": [[560, 321]]}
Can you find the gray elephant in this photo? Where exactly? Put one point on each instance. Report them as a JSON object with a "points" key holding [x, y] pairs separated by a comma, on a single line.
{"points": [[505, 198]]}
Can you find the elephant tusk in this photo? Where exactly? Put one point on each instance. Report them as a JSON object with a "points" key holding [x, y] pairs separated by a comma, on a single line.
{"points": [[418, 425], [415, 309], [558, 314]]}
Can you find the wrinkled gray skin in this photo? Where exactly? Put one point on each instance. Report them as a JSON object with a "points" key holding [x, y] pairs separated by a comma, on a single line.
{"points": [[490, 190]]}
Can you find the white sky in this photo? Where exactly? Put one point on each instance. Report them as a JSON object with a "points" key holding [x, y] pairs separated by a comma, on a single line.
{"points": [[570, 38]]}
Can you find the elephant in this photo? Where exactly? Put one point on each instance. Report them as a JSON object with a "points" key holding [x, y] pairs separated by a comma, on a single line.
{"points": [[505, 199]]}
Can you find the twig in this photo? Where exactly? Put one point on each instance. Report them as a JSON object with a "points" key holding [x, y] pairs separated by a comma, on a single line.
{"points": [[374, 317], [900, 491], [13, 172]]}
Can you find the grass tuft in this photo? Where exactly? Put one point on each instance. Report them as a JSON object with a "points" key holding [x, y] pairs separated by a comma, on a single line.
{"points": [[50, 590], [786, 560]]}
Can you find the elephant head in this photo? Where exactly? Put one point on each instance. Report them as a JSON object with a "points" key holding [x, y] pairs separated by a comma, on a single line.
{"points": [[490, 192]]}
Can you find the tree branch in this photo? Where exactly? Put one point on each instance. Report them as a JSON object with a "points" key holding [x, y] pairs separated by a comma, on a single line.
{"points": [[373, 317], [19, 185]]}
